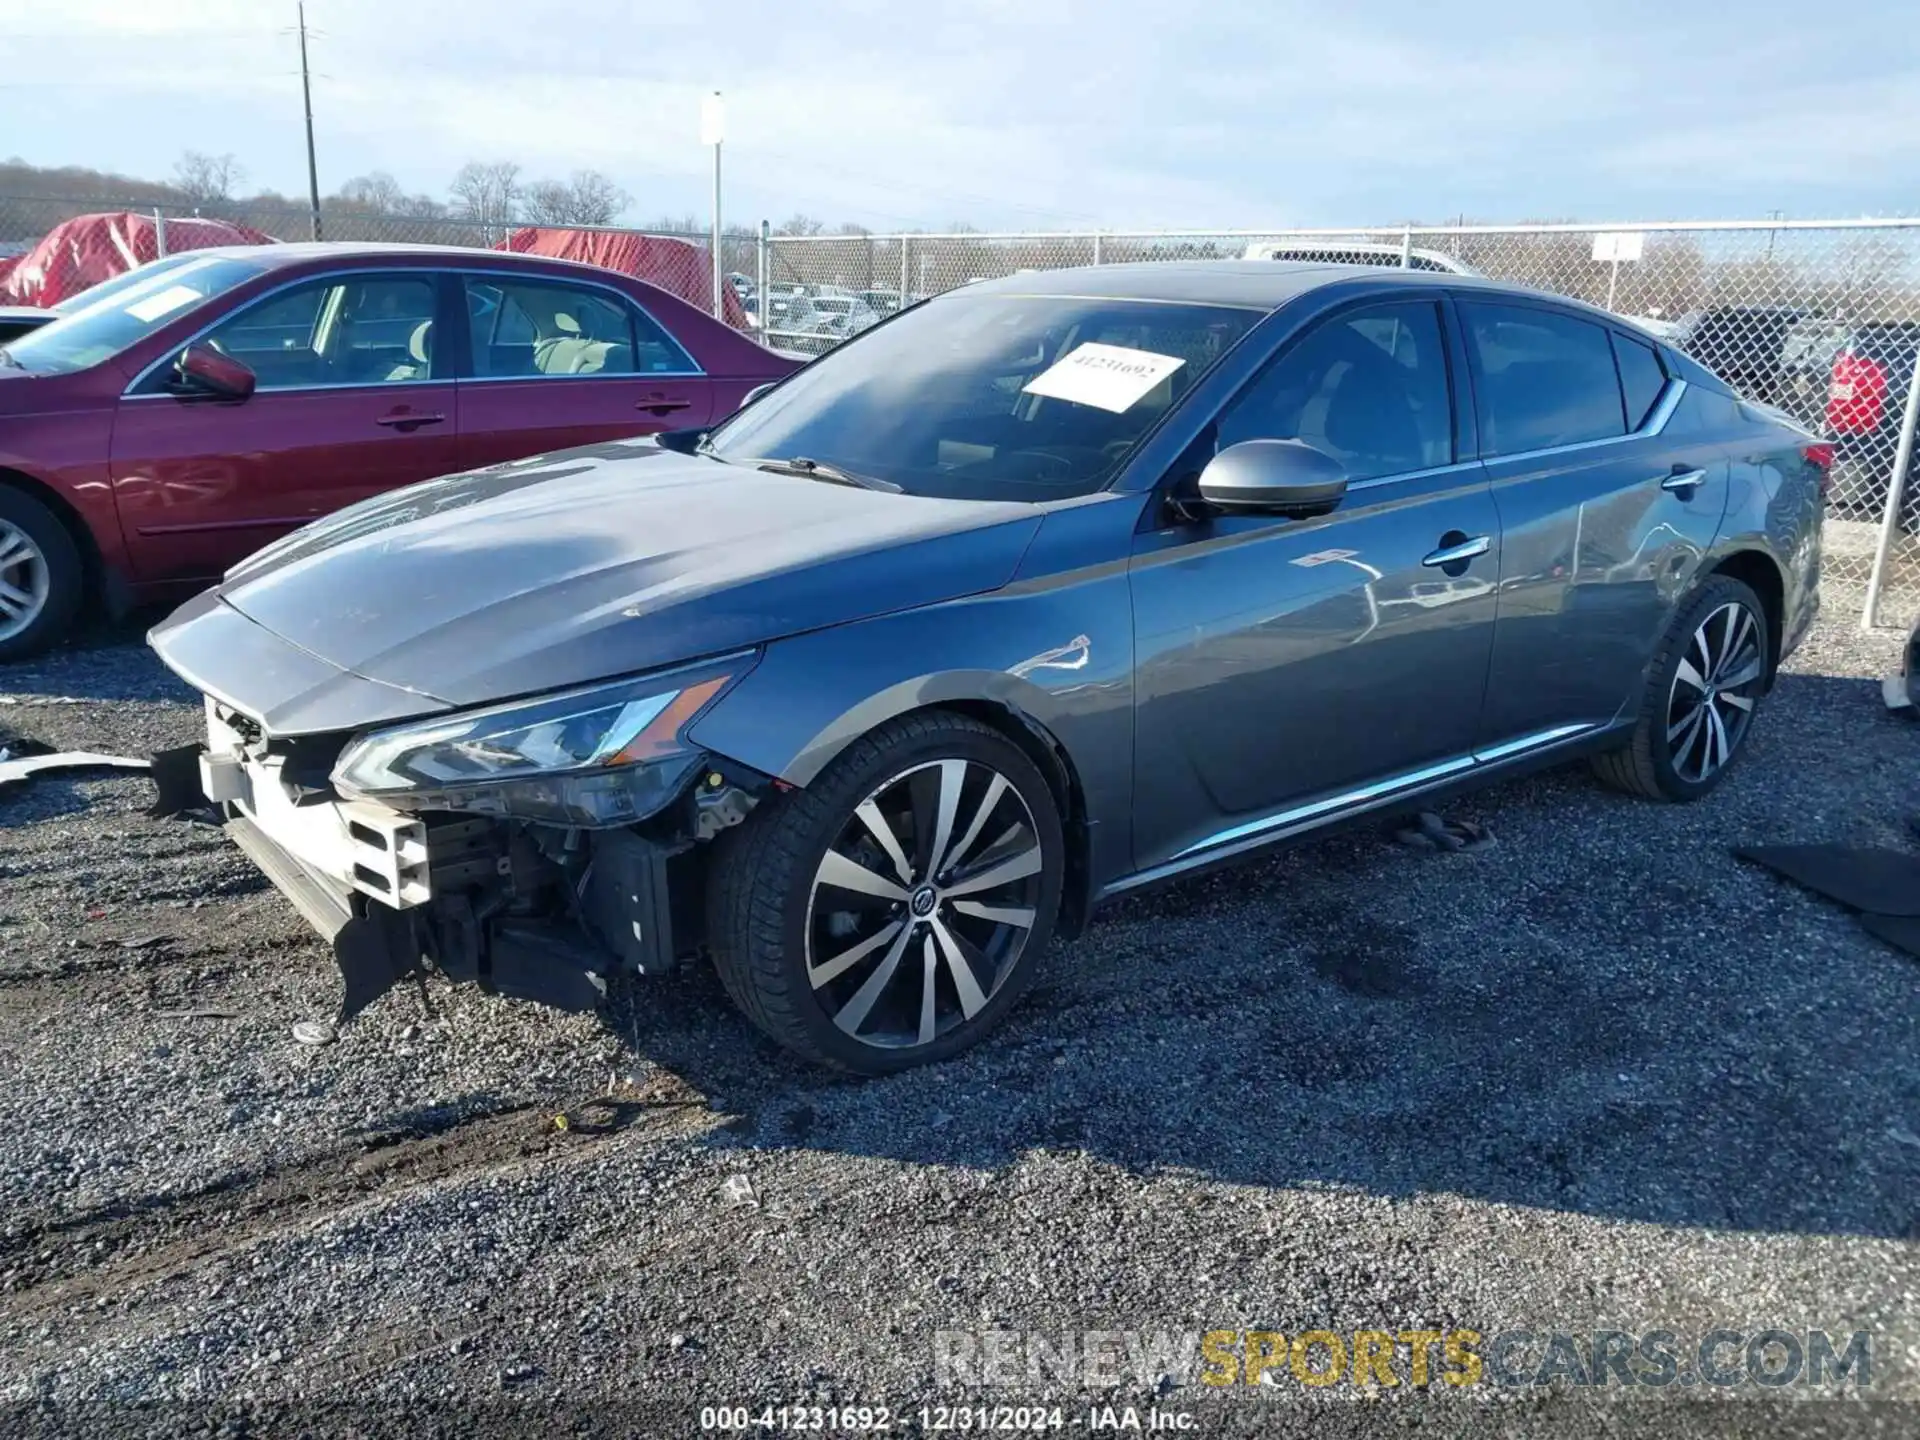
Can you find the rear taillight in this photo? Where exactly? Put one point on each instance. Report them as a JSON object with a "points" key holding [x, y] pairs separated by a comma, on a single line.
{"points": [[1820, 456], [1857, 396]]}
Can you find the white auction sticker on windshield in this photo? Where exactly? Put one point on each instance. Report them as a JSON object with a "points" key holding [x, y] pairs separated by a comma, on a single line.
{"points": [[1112, 377], [164, 303]]}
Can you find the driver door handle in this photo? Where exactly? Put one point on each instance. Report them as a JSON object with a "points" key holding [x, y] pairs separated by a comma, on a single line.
{"points": [[1455, 554], [409, 420], [661, 405], [1684, 480]]}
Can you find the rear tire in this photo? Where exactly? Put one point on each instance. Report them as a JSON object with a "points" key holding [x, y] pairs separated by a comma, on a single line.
{"points": [[42, 579], [1703, 689], [892, 912]]}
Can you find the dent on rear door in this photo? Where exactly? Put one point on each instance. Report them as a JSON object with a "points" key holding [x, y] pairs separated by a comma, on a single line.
{"points": [[1597, 554]]}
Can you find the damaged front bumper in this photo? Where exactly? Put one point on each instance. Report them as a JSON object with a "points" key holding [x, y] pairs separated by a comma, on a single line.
{"points": [[540, 884], [529, 911], [375, 949]]}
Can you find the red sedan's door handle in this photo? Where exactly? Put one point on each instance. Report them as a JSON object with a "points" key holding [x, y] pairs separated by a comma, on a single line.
{"points": [[405, 420], [661, 405]]}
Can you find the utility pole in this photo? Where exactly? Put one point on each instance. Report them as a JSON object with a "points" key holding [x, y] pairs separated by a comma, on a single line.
{"points": [[306, 96]]}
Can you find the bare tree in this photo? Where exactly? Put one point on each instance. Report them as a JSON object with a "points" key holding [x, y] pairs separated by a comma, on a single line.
{"points": [[589, 198], [379, 193], [799, 225], [488, 194], [207, 179], [676, 225]]}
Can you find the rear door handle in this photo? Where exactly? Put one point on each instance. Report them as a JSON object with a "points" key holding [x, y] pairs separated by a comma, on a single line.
{"points": [[662, 405], [1460, 553], [409, 420], [1684, 480]]}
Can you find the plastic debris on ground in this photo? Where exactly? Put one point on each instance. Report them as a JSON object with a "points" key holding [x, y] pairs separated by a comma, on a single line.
{"points": [[21, 759]]}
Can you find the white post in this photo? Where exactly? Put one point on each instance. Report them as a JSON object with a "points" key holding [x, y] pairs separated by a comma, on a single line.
{"points": [[906, 276], [1896, 486], [713, 130], [719, 277], [159, 234], [1406, 247], [1096, 247], [765, 277]]}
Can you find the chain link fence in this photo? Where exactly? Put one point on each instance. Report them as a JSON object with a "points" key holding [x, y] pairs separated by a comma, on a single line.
{"points": [[1819, 318]]}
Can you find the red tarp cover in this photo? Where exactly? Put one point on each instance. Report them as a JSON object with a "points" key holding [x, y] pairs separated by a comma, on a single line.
{"points": [[84, 251], [676, 266]]}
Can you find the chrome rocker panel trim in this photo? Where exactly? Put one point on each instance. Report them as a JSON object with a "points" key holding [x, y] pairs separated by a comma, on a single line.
{"points": [[1300, 819]]}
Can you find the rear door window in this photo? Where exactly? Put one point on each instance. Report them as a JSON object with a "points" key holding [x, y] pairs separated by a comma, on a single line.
{"points": [[536, 329], [1544, 379]]}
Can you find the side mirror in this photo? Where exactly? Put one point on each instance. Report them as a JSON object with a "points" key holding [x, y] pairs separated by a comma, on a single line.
{"points": [[1273, 477], [202, 370], [682, 442]]}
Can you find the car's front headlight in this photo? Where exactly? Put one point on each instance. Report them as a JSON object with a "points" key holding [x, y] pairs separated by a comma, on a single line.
{"points": [[606, 755]]}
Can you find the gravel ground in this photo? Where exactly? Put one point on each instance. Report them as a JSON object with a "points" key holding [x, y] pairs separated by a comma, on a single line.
{"points": [[1599, 1076]]}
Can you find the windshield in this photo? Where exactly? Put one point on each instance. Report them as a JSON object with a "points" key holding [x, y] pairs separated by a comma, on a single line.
{"points": [[109, 323], [991, 397], [126, 280]]}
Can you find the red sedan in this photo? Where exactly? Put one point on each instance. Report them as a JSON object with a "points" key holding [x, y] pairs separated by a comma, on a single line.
{"points": [[208, 403]]}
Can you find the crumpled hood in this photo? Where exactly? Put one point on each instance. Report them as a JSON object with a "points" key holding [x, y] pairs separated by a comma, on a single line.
{"points": [[606, 561]]}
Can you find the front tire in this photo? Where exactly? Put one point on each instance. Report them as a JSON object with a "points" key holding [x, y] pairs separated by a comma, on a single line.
{"points": [[1703, 688], [892, 912], [42, 579]]}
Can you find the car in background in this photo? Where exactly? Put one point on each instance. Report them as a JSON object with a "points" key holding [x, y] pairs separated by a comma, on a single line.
{"points": [[1048, 589], [831, 317], [17, 320], [1343, 252], [1849, 382], [182, 415], [785, 309], [1657, 324], [1741, 344], [883, 302]]}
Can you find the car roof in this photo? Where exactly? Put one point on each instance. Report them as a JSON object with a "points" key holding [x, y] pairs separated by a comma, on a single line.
{"points": [[1255, 284], [280, 256]]}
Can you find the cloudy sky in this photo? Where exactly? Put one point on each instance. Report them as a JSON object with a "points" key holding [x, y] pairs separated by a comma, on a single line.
{"points": [[1018, 114]]}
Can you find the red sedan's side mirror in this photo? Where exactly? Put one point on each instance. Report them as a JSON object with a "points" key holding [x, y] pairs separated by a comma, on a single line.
{"points": [[202, 370]]}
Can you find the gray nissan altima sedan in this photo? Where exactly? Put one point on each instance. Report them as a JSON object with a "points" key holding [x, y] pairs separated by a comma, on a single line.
{"points": [[1039, 591]]}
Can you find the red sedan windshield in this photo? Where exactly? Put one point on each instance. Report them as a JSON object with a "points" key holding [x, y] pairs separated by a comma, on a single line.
{"points": [[100, 328]]}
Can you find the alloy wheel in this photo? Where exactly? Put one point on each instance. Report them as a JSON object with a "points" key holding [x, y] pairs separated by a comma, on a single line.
{"points": [[1714, 690], [24, 580], [923, 903]]}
